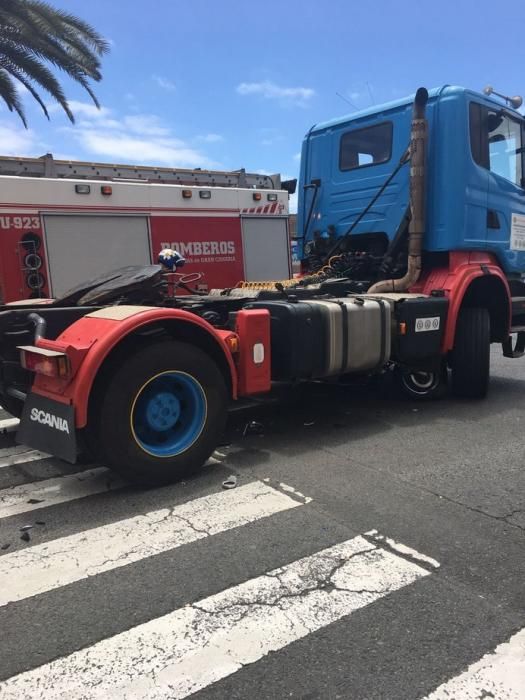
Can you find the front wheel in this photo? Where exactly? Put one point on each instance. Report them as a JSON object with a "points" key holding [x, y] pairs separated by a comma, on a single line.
{"points": [[470, 358], [162, 414]]}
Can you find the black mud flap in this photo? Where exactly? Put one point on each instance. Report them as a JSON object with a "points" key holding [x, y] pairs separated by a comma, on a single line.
{"points": [[48, 426]]}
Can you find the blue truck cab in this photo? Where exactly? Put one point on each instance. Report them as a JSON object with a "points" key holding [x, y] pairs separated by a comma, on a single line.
{"points": [[475, 196]]}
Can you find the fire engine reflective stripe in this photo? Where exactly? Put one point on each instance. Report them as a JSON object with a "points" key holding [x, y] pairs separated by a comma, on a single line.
{"points": [[60, 562], [185, 651]]}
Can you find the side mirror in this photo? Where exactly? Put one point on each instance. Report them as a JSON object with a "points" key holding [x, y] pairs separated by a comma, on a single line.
{"points": [[289, 185]]}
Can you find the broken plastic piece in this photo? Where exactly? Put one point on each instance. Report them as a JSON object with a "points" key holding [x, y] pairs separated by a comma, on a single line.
{"points": [[25, 536], [230, 483], [253, 428], [24, 528]]}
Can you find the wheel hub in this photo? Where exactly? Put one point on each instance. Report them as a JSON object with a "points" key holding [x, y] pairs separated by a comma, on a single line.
{"points": [[422, 380], [163, 411]]}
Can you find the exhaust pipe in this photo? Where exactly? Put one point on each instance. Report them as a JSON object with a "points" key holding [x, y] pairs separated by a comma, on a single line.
{"points": [[416, 226]]}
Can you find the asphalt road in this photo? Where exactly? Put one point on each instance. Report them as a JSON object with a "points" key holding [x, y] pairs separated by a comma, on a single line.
{"points": [[445, 479]]}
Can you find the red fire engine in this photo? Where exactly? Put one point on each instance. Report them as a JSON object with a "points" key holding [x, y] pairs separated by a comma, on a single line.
{"points": [[66, 221]]}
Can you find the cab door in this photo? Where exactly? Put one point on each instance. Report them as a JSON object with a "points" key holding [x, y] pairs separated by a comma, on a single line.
{"points": [[506, 193]]}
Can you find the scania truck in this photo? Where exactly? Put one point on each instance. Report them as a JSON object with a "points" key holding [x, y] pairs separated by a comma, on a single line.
{"points": [[411, 234]]}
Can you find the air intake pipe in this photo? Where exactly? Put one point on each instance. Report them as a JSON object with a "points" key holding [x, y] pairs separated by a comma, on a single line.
{"points": [[416, 226]]}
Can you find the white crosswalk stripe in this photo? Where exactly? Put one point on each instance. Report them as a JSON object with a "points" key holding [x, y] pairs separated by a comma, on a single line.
{"points": [[50, 492], [208, 639], [44, 567], [499, 675], [22, 456], [8, 424], [185, 651]]}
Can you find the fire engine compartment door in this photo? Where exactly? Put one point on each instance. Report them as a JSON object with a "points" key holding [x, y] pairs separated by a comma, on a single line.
{"points": [[82, 246], [266, 248]]}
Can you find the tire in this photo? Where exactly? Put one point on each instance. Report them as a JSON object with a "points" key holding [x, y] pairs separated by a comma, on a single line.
{"points": [[162, 414], [422, 386], [470, 358]]}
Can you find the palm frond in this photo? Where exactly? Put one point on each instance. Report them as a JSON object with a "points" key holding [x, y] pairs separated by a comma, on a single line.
{"points": [[33, 34], [12, 70], [10, 96], [15, 56]]}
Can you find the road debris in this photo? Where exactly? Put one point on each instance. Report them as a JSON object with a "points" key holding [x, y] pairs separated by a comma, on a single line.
{"points": [[230, 483], [253, 428]]}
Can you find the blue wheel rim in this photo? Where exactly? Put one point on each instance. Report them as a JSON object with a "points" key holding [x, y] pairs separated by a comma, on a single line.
{"points": [[168, 414]]}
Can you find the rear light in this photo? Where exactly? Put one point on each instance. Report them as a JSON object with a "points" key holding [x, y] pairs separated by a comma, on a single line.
{"points": [[272, 197], [42, 361], [106, 190], [186, 194], [205, 194], [257, 196], [82, 189]]}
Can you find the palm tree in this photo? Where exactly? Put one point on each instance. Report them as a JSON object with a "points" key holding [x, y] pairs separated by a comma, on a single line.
{"points": [[33, 34]]}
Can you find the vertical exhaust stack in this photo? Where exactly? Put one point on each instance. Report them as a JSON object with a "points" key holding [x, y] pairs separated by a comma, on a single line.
{"points": [[416, 227]]}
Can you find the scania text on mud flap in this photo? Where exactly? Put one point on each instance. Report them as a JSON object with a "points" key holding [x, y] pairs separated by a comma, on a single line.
{"points": [[419, 277]]}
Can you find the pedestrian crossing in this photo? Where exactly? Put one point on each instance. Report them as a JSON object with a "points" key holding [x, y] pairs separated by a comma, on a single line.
{"points": [[204, 638]]}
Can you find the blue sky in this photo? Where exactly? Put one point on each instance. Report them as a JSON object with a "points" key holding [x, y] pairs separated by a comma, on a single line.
{"points": [[233, 84]]}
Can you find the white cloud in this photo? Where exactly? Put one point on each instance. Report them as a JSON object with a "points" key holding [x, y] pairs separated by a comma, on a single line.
{"points": [[297, 156], [17, 141], [211, 138], [142, 150], [83, 109], [164, 83], [146, 124], [271, 91], [141, 138], [293, 203]]}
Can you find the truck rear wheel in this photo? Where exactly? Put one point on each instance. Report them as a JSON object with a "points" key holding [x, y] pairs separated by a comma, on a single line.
{"points": [[470, 358], [162, 414]]}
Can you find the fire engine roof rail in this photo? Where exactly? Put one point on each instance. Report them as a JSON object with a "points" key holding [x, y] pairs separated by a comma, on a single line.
{"points": [[47, 166]]}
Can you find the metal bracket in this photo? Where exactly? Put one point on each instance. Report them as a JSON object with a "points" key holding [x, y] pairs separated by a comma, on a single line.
{"points": [[518, 350]]}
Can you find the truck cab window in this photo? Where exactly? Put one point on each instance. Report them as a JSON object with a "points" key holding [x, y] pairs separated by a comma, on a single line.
{"points": [[496, 142], [505, 147], [365, 147]]}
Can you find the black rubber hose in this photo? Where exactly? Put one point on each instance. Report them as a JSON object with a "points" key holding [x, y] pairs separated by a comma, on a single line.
{"points": [[40, 325], [404, 159]]}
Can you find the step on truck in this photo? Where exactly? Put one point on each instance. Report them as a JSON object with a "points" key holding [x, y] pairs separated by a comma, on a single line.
{"points": [[411, 232]]}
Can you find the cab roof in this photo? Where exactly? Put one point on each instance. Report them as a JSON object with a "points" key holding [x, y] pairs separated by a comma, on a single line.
{"points": [[433, 94]]}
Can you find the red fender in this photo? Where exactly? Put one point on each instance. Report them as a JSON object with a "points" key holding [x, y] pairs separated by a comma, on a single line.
{"points": [[89, 340], [463, 269]]}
